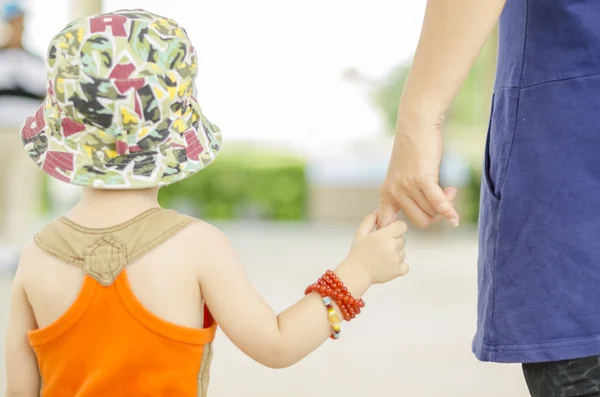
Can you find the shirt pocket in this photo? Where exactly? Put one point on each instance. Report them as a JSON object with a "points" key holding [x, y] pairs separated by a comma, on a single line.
{"points": [[499, 139]]}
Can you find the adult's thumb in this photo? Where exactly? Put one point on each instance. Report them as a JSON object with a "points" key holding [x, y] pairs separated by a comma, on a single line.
{"points": [[368, 224]]}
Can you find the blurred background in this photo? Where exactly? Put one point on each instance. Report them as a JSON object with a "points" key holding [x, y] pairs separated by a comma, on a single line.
{"points": [[306, 96]]}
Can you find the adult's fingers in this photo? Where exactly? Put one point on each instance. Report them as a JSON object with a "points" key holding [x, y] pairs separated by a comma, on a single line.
{"points": [[450, 193], [438, 199], [419, 198], [414, 213], [387, 214]]}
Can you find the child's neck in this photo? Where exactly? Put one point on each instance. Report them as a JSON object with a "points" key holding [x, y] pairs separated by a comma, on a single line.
{"points": [[105, 208]]}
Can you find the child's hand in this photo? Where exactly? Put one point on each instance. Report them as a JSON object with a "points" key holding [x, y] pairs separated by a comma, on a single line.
{"points": [[280, 341], [380, 254]]}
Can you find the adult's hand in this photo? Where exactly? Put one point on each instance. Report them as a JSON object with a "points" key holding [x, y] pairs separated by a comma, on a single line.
{"points": [[412, 181], [452, 36]]}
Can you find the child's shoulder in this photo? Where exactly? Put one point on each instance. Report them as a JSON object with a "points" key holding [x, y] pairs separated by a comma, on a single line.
{"points": [[199, 241], [204, 245], [197, 229], [206, 236], [155, 219]]}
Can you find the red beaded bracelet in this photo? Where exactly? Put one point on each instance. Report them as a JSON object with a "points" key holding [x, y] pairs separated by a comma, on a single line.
{"points": [[330, 285]]}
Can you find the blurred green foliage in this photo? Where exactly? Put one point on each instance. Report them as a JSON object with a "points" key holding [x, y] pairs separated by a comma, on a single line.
{"points": [[387, 97], [470, 198], [244, 182]]}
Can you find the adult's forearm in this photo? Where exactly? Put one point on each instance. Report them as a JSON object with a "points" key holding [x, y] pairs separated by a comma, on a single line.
{"points": [[453, 34]]}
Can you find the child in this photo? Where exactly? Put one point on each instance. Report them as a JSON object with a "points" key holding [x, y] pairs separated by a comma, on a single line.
{"points": [[106, 299]]}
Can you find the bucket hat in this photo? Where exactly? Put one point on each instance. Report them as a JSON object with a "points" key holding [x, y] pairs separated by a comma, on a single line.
{"points": [[121, 109]]}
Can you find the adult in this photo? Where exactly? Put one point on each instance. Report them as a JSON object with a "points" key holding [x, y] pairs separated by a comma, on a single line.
{"points": [[539, 225], [22, 89]]}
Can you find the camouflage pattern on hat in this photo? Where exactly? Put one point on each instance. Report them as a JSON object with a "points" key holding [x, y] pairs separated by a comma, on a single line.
{"points": [[121, 111]]}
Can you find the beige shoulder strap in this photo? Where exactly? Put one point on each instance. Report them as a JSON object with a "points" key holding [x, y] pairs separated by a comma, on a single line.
{"points": [[104, 253]]}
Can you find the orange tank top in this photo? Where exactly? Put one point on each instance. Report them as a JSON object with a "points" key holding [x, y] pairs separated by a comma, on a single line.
{"points": [[107, 343]]}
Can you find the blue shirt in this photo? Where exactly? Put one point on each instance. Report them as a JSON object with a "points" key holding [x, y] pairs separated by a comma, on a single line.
{"points": [[539, 255]]}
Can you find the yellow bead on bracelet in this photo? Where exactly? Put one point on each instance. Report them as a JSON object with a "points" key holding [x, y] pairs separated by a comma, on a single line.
{"points": [[334, 319]]}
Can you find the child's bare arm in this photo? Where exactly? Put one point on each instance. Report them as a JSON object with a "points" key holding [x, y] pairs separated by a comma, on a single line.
{"points": [[23, 377], [281, 341]]}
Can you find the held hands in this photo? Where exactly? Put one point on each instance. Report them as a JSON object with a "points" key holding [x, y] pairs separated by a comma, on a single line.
{"points": [[412, 180], [379, 254]]}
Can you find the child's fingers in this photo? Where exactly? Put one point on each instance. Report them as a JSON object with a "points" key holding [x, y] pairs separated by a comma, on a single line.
{"points": [[400, 242], [395, 230], [403, 269], [367, 225]]}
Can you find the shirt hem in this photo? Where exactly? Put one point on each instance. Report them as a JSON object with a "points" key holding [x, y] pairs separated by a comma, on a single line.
{"points": [[568, 349]]}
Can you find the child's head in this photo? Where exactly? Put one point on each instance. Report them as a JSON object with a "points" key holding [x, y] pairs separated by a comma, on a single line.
{"points": [[120, 111]]}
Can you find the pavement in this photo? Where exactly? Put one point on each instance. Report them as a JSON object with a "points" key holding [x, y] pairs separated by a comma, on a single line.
{"points": [[413, 338]]}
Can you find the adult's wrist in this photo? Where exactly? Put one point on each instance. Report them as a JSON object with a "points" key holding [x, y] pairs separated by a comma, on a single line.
{"points": [[418, 119]]}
